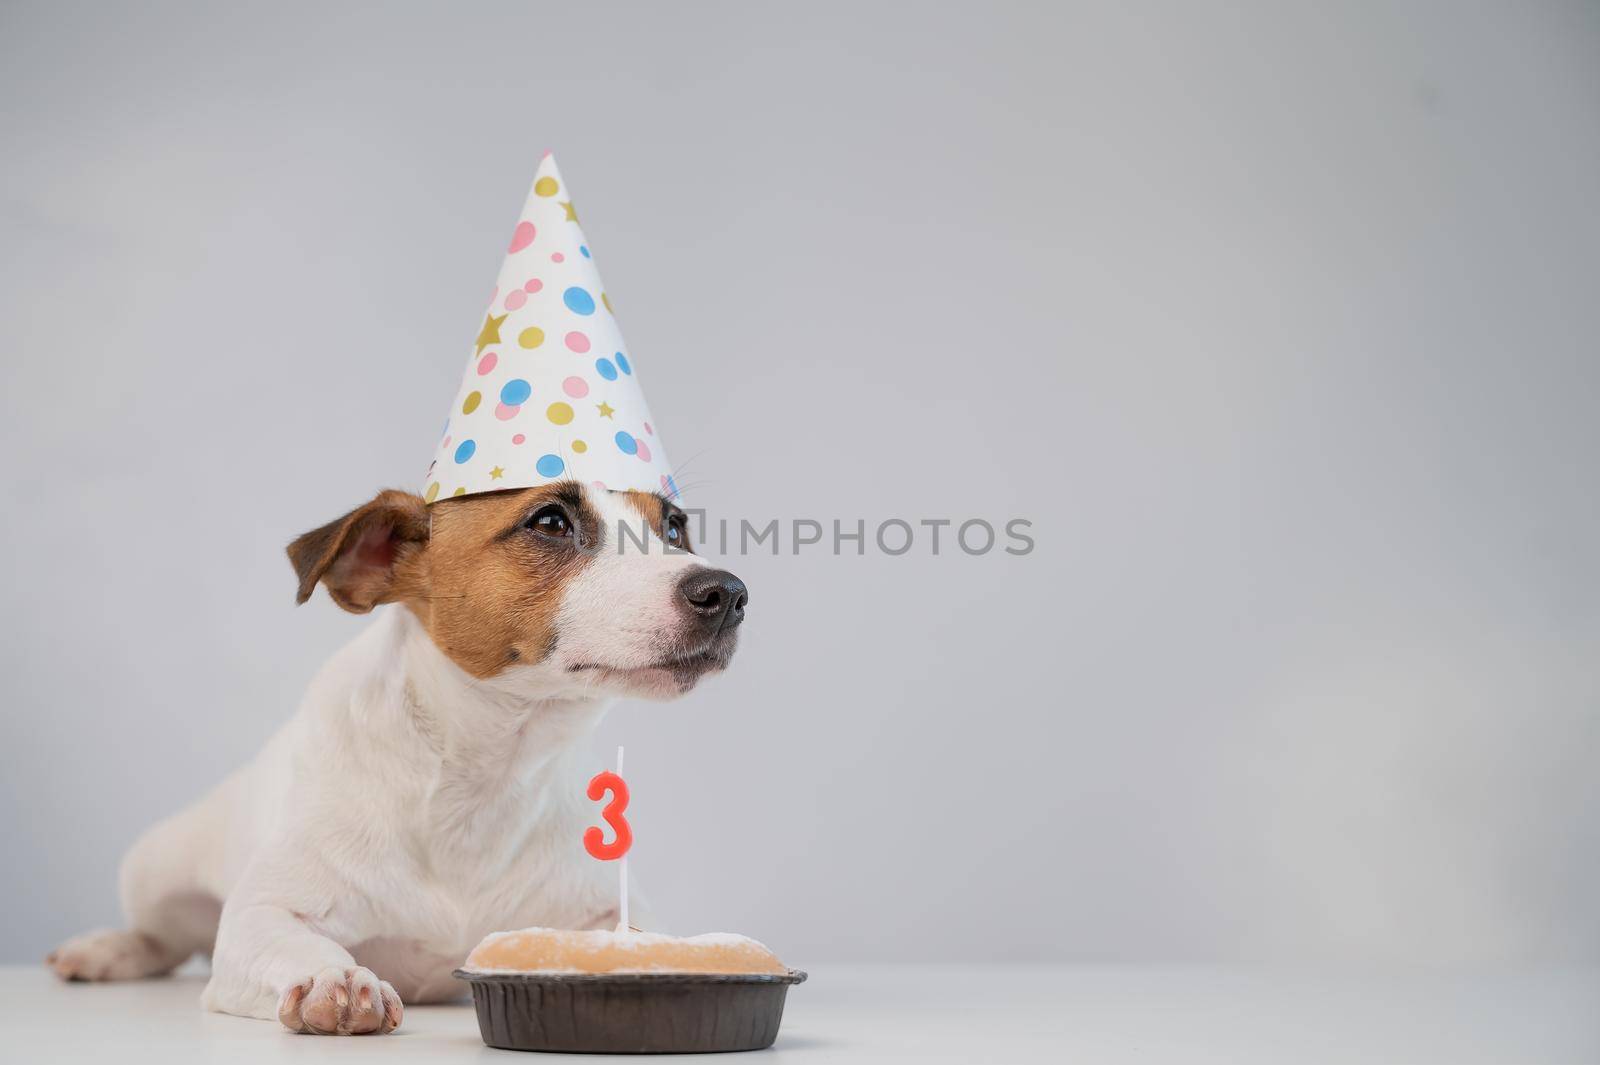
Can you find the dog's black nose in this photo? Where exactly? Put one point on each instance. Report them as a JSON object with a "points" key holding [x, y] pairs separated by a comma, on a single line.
{"points": [[715, 596]]}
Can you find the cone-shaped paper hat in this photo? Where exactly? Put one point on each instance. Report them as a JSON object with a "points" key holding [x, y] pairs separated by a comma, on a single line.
{"points": [[550, 391]]}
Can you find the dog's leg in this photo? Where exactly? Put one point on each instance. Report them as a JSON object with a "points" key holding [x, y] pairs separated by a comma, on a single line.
{"points": [[171, 914], [270, 963]]}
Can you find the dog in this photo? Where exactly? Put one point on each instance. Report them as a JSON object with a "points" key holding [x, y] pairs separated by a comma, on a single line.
{"points": [[430, 788]]}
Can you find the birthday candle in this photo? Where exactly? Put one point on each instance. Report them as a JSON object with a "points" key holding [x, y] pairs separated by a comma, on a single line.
{"points": [[617, 849]]}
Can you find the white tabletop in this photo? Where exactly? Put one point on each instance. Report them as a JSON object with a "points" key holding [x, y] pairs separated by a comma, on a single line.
{"points": [[924, 1014]]}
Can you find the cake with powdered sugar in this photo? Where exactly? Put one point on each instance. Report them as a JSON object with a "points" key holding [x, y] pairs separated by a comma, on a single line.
{"points": [[553, 950]]}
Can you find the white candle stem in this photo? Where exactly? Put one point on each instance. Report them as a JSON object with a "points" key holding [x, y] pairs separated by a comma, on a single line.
{"points": [[622, 923], [622, 864]]}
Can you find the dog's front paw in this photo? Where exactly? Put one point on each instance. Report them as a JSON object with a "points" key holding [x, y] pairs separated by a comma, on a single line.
{"points": [[340, 1002]]}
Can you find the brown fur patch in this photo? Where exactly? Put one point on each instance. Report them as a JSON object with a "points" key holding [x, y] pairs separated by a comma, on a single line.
{"points": [[488, 589], [656, 510], [485, 587]]}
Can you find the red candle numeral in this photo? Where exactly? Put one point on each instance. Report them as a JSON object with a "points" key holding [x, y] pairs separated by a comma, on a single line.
{"points": [[592, 839]]}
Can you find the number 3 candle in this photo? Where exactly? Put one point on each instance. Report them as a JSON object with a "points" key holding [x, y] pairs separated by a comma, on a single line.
{"points": [[622, 839]]}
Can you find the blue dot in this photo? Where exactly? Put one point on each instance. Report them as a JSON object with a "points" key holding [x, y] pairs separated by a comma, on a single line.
{"points": [[516, 392], [622, 364], [672, 487], [465, 450], [604, 368], [578, 301], [628, 444], [585, 249], [550, 465]]}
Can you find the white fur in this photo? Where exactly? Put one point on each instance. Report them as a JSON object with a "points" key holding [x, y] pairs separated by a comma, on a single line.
{"points": [[407, 810]]}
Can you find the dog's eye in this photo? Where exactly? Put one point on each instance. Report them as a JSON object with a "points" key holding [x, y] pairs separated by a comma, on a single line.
{"points": [[550, 521], [676, 530]]}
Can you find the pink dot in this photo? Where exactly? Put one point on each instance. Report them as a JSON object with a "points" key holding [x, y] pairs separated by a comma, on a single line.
{"points": [[515, 299], [445, 445], [649, 430], [494, 293], [576, 387], [505, 413], [644, 450], [533, 284], [599, 484], [519, 439], [577, 342], [522, 237], [486, 364], [558, 258]]}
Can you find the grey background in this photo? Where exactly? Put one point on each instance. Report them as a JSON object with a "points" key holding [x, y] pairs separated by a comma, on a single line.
{"points": [[1278, 321]]}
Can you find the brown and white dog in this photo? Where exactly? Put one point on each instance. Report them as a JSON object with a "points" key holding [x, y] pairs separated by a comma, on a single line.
{"points": [[430, 788]]}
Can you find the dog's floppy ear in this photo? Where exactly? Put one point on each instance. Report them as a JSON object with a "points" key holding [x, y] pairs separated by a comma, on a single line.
{"points": [[355, 556]]}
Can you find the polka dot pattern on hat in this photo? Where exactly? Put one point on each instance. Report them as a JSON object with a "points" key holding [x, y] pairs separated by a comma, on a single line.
{"points": [[549, 390]]}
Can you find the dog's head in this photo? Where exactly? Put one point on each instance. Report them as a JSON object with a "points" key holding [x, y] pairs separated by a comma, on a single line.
{"points": [[573, 586]]}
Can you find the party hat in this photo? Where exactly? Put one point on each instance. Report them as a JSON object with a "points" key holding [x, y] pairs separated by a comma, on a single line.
{"points": [[550, 391]]}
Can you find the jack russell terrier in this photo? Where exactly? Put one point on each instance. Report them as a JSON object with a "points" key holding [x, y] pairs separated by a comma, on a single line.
{"points": [[430, 788]]}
